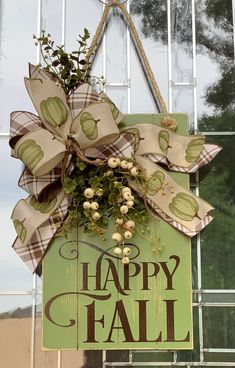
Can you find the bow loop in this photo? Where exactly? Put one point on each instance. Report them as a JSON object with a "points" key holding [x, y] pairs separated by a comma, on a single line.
{"points": [[87, 125], [40, 151], [95, 126], [51, 104]]}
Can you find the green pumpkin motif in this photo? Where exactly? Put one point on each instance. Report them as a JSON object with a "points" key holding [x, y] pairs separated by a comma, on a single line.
{"points": [[193, 149], [89, 125], [184, 207], [20, 229], [114, 109], [136, 134], [155, 182], [30, 153], [43, 207], [163, 140], [54, 111]]}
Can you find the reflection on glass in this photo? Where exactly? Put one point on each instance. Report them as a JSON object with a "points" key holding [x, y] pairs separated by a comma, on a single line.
{"points": [[52, 19], [181, 35], [17, 48], [14, 275], [116, 52], [117, 356], [119, 96], [191, 355], [150, 19], [183, 102], [217, 240], [215, 64], [15, 331], [220, 320], [219, 357], [152, 356], [79, 17]]}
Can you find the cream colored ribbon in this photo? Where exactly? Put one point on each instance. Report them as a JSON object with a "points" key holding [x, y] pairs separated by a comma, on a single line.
{"points": [[94, 128]]}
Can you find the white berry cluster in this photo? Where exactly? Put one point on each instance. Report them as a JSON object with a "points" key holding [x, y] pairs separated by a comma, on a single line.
{"points": [[115, 162], [91, 205], [124, 226]]}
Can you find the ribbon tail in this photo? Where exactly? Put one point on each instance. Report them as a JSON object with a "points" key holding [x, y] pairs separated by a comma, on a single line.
{"points": [[33, 253], [176, 205], [208, 153], [177, 225]]}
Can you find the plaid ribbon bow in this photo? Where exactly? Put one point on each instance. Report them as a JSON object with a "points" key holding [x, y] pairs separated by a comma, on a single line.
{"points": [[91, 120]]}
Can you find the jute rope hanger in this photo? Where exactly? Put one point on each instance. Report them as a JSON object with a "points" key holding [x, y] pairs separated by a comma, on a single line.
{"points": [[139, 47]]}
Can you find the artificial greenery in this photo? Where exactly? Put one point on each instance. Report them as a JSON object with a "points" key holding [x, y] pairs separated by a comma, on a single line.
{"points": [[71, 69], [108, 185]]}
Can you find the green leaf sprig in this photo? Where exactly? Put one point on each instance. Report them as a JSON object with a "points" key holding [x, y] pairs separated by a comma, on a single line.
{"points": [[71, 69]]}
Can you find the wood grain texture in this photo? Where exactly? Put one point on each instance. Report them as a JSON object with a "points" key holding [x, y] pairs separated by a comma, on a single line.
{"points": [[89, 302]]}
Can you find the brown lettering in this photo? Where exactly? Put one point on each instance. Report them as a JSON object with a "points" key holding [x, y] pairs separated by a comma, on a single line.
{"points": [[143, 323], [91, 321], [114, 279], [169, 275], [146, 273], [127, 274], [121, 313], [86, 276], [171, 323]]}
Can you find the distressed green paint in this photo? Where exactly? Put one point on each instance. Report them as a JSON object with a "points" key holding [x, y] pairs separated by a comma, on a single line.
{"points": [[63, 272]]}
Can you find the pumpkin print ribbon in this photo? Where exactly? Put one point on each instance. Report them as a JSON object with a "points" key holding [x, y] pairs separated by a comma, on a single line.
{"points": [[92, 123]]}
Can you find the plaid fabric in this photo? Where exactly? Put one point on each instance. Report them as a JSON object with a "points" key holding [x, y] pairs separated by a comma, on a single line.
{"points": [[38, 186], [25, 122], [207, 154], [204, 222], [32, 254], [122, 147], [22, 122], [82, 97]]}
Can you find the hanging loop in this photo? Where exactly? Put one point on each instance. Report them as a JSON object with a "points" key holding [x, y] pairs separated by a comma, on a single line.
{"points": [[139, 48], [112, 2]]}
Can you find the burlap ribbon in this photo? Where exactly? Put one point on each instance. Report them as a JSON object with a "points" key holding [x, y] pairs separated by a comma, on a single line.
{"points": [[86, 124]]}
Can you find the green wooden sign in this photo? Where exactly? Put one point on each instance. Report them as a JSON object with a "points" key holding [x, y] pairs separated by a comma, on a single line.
{"points": [[92, 301]]}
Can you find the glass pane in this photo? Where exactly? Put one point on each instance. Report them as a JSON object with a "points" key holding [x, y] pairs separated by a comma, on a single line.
{"points": [[52, 19], [150, 18], [218, 298], [117, 355], [15, 331], [152, 356], [14, 275], [116, 49], [220, 320], [79, 17], [215, 65], [119, 96], [91, 14], [181, 33], [192, 355], [183, 102], [217, 240], [219, 357], [17, 48]]}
